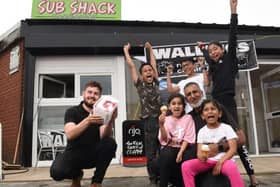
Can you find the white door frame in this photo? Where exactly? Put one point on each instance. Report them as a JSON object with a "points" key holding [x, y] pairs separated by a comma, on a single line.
{"points": [[81, 65], [269, 115]]}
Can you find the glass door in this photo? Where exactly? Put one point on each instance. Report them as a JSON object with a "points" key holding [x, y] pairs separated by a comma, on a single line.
{"points": [[59, 86], [270, 84]]}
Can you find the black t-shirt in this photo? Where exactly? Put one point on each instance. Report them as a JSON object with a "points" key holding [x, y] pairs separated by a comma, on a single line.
{"points": [[225, 70], [90, 137]]}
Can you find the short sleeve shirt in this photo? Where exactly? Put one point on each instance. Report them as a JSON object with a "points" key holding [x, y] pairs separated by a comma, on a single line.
{"points": [[179, 130], [207, 135], [90, 137], [150, 99]]}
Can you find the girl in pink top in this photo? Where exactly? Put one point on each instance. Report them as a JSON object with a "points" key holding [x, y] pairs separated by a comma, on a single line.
{"points": [[176, 132]]}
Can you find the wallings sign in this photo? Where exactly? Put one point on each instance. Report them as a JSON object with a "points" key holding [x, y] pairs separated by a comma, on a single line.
{"points": [[172, 54], [77, 9]]}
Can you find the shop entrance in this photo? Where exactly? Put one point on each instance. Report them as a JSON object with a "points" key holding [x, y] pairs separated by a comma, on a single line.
{"points": [[59, 82], [270, 87]]}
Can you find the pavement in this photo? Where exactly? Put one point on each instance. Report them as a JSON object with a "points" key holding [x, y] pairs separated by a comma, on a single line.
{"points": [[267, 170]]}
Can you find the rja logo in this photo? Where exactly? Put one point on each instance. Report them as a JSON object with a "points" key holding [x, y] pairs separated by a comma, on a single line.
{"points": [[134, 131]]}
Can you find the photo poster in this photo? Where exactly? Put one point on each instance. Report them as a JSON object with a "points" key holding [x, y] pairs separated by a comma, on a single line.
{"points": [[173, 54]]}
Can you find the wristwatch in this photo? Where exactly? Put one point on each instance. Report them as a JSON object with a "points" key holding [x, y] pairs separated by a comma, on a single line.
{"points": [[220, 147]]}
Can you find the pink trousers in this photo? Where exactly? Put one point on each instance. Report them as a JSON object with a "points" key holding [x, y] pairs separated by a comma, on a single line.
{"points": [[191, 168]]}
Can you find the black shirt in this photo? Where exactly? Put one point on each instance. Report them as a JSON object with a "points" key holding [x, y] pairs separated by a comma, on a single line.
{"points": [[225, 70], [90, 137]]}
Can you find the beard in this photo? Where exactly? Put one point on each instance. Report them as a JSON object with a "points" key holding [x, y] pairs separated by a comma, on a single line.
{"points": [[88, 104], [198, 104]]}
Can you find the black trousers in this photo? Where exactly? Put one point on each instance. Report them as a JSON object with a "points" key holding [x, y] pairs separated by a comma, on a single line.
{"points": [[152, 146], [245, 159], [229, 102], [166, 167], [169, 168], [70, 163]]}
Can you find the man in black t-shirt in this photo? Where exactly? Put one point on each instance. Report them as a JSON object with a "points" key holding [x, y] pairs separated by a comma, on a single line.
{"points": [[89, 141]]}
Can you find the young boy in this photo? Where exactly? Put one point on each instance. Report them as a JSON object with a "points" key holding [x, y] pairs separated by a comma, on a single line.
{"points": [[147, 86]]}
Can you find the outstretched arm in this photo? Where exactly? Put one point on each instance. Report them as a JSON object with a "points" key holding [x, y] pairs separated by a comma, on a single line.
{"points": [[73, 130], [130, 63], [201, 46], [233, 29], [233, 6], [170, 87], [152, 59], [161, 120]]}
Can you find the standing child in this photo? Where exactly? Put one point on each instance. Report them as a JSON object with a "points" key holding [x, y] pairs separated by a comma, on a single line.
{"points": [[213, 132], [223, 70], [147, 86], [177, 132]]}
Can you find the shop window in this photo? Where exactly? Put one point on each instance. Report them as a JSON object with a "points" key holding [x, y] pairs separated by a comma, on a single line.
{"points": [[51, 117], [104, 80], [56, 86]]}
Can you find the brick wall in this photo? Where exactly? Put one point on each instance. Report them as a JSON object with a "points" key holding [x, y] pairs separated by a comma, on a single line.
{"points": [[11, 99]]}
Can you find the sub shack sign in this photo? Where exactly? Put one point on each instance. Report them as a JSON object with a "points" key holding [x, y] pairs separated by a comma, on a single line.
{"points": [[77, 9], [172, 54]]}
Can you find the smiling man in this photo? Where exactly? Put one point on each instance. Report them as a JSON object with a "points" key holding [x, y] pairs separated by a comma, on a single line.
{"points": [[89, 141]]}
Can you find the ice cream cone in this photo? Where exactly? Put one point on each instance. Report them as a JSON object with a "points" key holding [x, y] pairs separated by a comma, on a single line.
{"points": [[163, 109], [205, 150]]}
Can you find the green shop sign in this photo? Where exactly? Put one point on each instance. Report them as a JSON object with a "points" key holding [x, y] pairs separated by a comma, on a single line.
{"points": [[77, 9]]}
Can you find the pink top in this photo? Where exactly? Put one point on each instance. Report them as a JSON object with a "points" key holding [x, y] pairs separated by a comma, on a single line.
{"points": [[178, 130]]}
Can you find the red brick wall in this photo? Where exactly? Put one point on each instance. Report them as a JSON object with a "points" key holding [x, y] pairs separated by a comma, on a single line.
{"points": [[11, 99]]}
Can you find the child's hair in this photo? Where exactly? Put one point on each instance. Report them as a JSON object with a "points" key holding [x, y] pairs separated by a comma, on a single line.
{"points": [[187, 59], [142, 66], [215, 43], [214, 102], [181, 97]]}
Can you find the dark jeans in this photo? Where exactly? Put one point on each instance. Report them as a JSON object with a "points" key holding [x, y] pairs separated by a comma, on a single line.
{"points": [[169, 167], [70, 163], [166, 168], [151, 129]]}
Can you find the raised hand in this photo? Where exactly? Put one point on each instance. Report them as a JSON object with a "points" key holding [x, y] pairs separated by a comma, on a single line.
{"points": [[126, 47], [148, 45], [200, 44], [233, 6]]}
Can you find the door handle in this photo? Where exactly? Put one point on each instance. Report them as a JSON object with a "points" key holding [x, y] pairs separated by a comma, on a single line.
{"points": [[275, 113]]}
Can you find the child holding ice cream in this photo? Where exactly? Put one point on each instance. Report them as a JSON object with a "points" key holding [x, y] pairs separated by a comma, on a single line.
{"points": [[176, 134], [213, 132]]}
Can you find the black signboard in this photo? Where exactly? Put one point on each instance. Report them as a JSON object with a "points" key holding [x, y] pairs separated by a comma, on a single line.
{"points": [[133, 143]]}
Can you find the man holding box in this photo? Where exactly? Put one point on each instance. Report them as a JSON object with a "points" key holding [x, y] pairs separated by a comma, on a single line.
{"points": [[89, 141]]}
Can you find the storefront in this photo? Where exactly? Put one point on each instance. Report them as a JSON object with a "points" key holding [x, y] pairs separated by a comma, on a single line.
{"points": [[59, 56]]}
